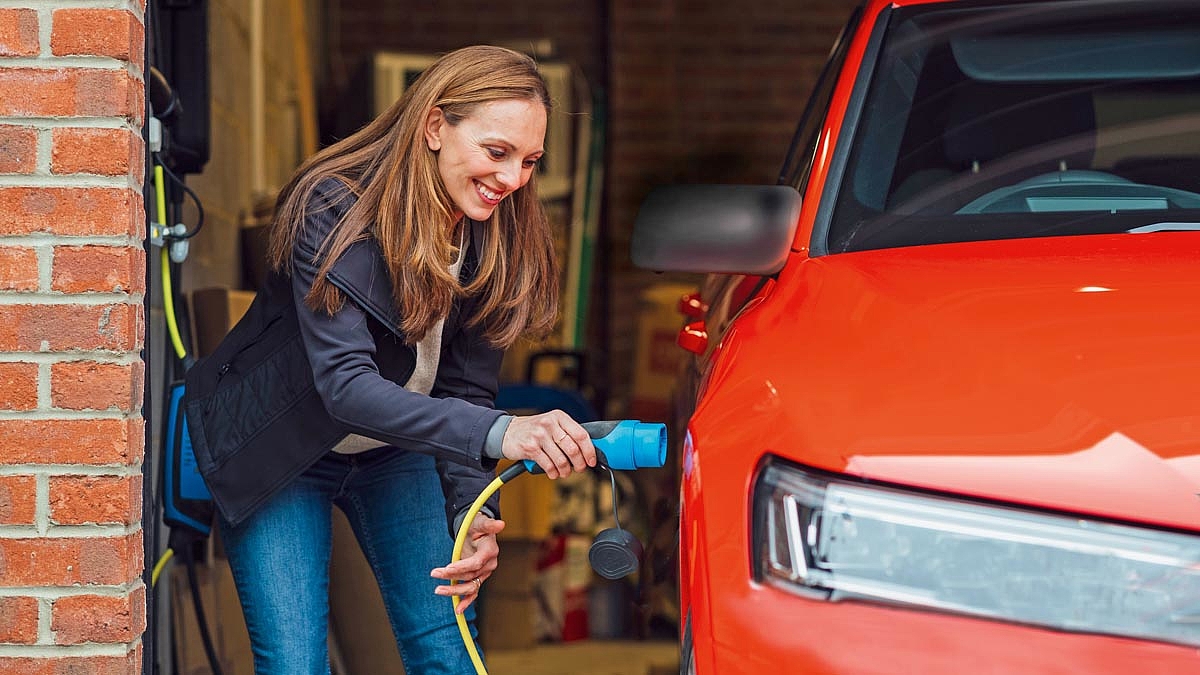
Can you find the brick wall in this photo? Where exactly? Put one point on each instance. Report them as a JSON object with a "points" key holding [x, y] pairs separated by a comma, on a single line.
{"points": [[72, 279], [703, 91], [355, 28], [698, 91]]}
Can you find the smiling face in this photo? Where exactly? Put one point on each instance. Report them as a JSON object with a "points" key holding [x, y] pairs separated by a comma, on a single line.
{"points": [[488, 154]]}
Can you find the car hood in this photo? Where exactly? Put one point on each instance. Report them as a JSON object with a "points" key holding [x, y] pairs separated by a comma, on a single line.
{"points": [[1060, 372]]}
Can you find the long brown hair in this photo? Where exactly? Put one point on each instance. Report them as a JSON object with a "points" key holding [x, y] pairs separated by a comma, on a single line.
{"points": [[402, 203]]}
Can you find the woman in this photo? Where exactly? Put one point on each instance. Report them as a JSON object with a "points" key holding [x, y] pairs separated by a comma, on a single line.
{"points": [[404, 259]]}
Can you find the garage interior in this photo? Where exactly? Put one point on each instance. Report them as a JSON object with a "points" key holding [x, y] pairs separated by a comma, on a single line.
{"points": [[648, 92]]}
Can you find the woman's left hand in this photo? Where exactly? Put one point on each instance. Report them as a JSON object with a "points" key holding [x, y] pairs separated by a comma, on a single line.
{"points": [[480, 556]]}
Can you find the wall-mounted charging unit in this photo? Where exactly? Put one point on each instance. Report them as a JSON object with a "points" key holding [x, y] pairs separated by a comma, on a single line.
{"points": [[187, 503]]}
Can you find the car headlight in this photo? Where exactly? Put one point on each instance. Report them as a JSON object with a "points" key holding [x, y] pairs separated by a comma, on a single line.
{"points": [[838, 539]]}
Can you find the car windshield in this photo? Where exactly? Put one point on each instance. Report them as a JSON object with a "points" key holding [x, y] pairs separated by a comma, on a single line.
{"points": [[989, 120]]}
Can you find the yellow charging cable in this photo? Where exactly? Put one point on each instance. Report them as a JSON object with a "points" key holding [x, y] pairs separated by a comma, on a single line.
{"points": [[168, 296], [508, 474], [169, 308], [160, 195], [160, 565]]}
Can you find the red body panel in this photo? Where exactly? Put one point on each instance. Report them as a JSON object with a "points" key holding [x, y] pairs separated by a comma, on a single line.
{"points": [[1059, 374], [1027, 363]]}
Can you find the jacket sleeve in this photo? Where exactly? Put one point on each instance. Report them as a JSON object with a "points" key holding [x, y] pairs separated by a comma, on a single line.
{"points": [[470, 370], [341, 350]]}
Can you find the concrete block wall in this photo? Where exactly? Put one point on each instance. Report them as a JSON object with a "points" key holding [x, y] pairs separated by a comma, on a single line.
{"points": [[72, 280]]}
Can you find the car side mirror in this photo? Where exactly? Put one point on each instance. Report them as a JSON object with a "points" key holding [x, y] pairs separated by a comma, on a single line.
{"points": [[734, 229]]}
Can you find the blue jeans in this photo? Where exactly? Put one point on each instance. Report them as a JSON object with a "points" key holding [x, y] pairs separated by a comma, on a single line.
{"points": [[280, 562]]}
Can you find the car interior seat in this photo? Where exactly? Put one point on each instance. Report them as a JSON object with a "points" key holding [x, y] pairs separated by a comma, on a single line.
{"points": [[1181, 172], [1005, 133]]}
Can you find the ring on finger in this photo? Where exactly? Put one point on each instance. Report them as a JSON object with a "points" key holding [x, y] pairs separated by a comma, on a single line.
{"points": [[478, 583], [560, 438]]}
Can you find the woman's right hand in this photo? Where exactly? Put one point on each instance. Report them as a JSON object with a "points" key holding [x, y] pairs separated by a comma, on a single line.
{"points": [[552, 440]]}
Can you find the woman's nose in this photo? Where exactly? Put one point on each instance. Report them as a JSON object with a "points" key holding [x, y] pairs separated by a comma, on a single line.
{"points": [[509, 175]]}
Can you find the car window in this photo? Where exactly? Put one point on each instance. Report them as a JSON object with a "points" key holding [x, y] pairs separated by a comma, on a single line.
{"points": [[989, 120], [799, 161]]}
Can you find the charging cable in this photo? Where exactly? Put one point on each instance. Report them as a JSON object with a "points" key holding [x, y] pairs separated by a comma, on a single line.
{"points": [[173, 240], [508, 474], [624, 444]]}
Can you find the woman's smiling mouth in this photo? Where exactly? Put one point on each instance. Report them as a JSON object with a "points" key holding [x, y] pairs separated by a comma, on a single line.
{"points": [[488, 196]]}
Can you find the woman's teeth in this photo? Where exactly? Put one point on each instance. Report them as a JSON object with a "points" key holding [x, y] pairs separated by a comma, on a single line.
{"points": [[487, 194]]}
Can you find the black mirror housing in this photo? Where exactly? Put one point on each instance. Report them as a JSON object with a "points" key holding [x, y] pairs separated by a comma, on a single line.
{"points": [[733, 229]]}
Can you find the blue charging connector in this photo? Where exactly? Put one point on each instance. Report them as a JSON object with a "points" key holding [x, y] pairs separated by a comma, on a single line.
{"points": [[624, 445], [615, 553]]}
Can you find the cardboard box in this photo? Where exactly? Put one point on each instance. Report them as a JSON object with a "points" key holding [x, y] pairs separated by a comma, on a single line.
{"points": [[232, 635], [255, 239], [214, 311], [507, 610], [527, 507], [518, 565], [223, 617], [657, 358], [506, 620], [185, 628]]}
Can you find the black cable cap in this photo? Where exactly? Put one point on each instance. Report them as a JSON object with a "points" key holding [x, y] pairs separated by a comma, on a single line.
{"points": [[615, 553]]}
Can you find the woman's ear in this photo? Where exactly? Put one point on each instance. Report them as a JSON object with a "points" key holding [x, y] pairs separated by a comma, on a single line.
{"points": [[434, 121]]}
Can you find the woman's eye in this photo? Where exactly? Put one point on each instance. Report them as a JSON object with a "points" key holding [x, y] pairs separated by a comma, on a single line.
{"points": [[496, 153], [530, 163]]}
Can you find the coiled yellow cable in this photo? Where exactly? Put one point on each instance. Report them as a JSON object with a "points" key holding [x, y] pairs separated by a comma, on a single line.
{"points": [[516, 469], [459, 540]]}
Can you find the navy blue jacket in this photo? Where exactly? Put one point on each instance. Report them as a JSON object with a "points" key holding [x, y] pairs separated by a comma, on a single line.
{"points": [[288, 383]]}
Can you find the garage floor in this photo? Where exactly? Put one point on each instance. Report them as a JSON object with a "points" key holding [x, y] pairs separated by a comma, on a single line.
{"points": [[588, 657]]}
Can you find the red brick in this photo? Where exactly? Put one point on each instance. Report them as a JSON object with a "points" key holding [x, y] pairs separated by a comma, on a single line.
{"points": [[65, 92], [90, 385], [18, 147], [37, 92], [18, 501], [105, 269], [77, 619], [18, 386], [71, 561], [79, 500], [26, 328], [97, 32], [92, 442], [18, 269], [130, 664], [18, 620], [109, 93], [107, 152], [18, 32], [71, 211]]}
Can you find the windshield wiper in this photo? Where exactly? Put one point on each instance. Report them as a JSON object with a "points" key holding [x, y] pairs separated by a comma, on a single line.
{"points": [[1166, 227]]}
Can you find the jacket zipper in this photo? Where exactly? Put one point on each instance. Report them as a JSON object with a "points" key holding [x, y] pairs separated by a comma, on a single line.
{"points": [[227, 365]]}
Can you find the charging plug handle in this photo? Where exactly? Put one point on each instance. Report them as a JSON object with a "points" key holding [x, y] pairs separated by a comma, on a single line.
{"points": [[623, 445]]}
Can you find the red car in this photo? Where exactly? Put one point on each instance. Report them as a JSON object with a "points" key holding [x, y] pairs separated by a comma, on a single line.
{"points": [[947, 388]]}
